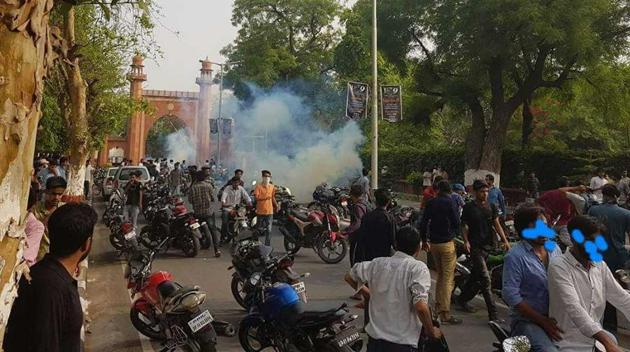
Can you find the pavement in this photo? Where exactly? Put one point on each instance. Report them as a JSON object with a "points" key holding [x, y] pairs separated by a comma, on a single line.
{"points": [[111, 330]]}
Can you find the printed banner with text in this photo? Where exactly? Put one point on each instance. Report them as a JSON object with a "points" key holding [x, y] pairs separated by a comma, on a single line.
{"points": [[357, 100], [391, 103]]}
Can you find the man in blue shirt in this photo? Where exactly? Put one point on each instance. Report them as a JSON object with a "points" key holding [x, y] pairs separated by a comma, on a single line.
{"points": [[440, 223], [495, 196], [616, 221], [525, 287]]}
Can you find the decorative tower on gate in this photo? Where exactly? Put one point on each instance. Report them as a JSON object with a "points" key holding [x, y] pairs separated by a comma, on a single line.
{"points": [[202, 123], [136, 136]]}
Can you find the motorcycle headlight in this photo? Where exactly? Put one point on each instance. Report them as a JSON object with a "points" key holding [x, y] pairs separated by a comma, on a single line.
{"points": [[193, 301], [288, 191]]}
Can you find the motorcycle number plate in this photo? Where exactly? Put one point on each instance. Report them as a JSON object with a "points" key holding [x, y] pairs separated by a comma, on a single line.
{"points": [[344, 204], [299, 287], [130, 235], [200, 321], [194, 225], [347, 337]]}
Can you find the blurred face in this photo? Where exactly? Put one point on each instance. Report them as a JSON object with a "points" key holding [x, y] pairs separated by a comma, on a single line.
{"points": [[482, 194], [489, 181], [133, 178], [540, 240], [53, 168], [53, 196], [235, 185], [238, 174], [579, 248]]}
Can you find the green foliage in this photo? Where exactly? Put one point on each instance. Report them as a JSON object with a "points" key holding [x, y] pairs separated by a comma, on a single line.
{"points": [[105, 40], [281, 40], [415, 178], [156, 140]]}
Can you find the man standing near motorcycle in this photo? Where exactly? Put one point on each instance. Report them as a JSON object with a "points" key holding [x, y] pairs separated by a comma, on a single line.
{"points": [[265, 194], [359, 208], [175, 180], [398, 292], [479, 221], [133, 190], [232, 196], [439, 225], [46, 315], [525, 286], [201, 196]]}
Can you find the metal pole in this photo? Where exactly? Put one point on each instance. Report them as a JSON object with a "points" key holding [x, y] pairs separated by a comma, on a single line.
{"points": [[220, 118], [374, 100]]}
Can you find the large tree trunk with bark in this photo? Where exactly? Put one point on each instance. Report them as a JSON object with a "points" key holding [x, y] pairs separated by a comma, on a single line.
{"points": [[76, 117], [25, 55]]}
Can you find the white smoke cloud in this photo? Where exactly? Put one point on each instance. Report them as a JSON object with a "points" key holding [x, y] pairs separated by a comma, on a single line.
{"points": [[277, 132], [180, 146]]}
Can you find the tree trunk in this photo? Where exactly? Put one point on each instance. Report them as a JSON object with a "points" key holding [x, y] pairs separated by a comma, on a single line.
{"points": [[528, 123], [76, 119], [25, 55]]}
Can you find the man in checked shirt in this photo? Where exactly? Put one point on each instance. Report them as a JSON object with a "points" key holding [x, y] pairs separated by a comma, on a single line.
{"points": [[201, 196]]}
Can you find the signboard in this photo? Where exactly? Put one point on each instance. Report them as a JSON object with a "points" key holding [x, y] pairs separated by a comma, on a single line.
{"points": [[226, 125], [357, 100], [214, 126], [391, 103]]}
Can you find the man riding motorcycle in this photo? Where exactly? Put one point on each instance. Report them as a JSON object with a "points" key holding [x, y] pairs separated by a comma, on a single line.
{"points": [[232, 196]]}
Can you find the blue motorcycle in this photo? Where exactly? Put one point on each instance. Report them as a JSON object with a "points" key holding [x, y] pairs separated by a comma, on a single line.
{"points": [[278, 319]]}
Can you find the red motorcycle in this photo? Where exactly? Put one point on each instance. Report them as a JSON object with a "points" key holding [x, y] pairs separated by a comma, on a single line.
{"points": [[317, 229], [166, 311]]}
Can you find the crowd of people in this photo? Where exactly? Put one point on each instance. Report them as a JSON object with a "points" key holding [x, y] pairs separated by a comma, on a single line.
{"points": [[560, 299]]}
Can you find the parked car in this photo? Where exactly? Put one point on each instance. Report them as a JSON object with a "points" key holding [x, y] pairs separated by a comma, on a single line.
{"points": [[123, 174], [108, 183]]}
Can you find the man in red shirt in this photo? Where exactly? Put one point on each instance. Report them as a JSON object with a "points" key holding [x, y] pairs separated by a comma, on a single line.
{"points": [[430, 192], [558, 207]]}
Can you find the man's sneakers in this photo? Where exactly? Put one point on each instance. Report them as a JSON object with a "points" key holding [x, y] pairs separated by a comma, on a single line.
{"points": [[450, 320]]}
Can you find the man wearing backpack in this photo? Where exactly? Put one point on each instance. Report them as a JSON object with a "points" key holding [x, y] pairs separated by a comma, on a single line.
{"points": [[359, 208]]}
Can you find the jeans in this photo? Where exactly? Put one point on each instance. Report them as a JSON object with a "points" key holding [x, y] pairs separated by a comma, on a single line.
{"points": [[540, 341], [375, 345], [479, 281], [445, 257], [264, 226], [132, 212], [214, 238], [225, 218]]}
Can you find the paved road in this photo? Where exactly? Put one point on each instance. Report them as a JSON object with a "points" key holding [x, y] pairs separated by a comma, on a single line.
{"points": [[111, 330]]}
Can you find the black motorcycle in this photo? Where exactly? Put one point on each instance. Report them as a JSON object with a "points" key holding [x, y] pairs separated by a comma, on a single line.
{"points": [[177, 225], [294, 327], [249, 257]]}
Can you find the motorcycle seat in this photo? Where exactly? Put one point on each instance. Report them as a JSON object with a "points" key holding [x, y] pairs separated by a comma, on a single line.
{"points": [[321, 313], [167, 289], [301, 216]]}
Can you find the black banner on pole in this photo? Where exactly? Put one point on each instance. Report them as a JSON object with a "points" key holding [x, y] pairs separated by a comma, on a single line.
{"points": [[227, 127], [391, 103], [214, 126], [357, 100]]}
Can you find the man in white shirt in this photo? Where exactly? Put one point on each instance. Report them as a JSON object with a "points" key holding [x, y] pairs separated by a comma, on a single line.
{"points": [[231, 196], [89, 178], [578, 291], [597, 182], [398, 292]]}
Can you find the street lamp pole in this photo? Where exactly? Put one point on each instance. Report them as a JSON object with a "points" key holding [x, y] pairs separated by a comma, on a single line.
{"points": [[374, 99], [219, 119]]}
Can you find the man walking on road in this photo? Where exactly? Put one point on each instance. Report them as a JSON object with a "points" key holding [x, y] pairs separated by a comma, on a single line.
{"points": [[265, 194], [495, 196], [439, 225], [201, 196], [525, 287], [175, 180], [359, 208], [398, 293], [479, 220], [597, 182], [624, 189], [46, 315], [376, 236], [133, 190], [532, 185], [364, 182]]}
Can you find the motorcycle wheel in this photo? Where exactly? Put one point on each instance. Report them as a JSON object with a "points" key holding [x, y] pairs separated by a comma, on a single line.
{"points": [[249, 336], [154, 331], [190, 244], [329, 252], [237, 285], [290, 244]]}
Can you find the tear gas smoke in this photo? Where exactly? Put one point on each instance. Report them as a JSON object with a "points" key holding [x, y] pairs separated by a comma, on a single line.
{"points": [[180, 146], [277, 132]]}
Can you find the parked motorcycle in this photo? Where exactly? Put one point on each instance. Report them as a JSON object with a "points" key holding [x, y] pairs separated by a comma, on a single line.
{"points": [[278, 319], [250, 256], [317, 229], [336, 196], [178, 226], [166, 311]]}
